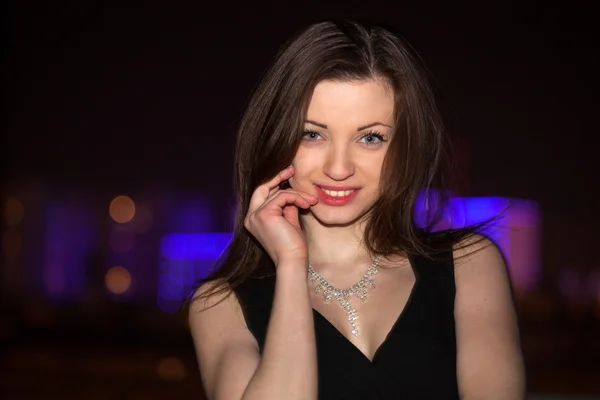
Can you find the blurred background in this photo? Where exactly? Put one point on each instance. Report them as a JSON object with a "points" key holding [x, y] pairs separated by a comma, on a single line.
{"points": [[118, 135]]}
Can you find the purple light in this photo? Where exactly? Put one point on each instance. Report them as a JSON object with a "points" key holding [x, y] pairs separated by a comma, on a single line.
{"points": [[69, 239], [194, 214], [479, 209], [459, 211], [194, 246], [186, 258]]}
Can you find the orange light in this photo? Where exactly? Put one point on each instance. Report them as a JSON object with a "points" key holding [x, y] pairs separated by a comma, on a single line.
{"points": [[12, 244], [171, 369], [122, 209], [118, 280], [14, 211]]}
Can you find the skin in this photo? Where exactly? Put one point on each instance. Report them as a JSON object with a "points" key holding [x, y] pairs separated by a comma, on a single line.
{"points": [[336, 152]]}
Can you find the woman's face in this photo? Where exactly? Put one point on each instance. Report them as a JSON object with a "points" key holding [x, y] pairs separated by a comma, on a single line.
{"points": [[348, 128]]}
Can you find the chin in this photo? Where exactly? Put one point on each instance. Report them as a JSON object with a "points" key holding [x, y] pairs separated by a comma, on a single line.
{"points": [[336, 217]]}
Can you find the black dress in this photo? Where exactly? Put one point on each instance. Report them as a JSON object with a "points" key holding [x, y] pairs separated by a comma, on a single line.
{"points": [[417, 360]]}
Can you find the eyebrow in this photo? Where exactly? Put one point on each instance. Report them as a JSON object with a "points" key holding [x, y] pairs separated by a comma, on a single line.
{"points": [[360, 128]]}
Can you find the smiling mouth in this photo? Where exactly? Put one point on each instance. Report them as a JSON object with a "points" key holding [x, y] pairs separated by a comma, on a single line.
{"points": [[333, 196], [338, 193]]}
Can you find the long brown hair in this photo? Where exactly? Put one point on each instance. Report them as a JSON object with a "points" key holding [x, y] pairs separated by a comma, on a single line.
{"points": [[271, 130]]}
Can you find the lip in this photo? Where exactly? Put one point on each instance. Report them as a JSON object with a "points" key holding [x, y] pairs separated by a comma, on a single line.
{"points": [[338, 188], [336, 201]]}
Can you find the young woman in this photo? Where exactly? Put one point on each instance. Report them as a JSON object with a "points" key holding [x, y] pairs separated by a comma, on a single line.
{"points": [[329, 289]]}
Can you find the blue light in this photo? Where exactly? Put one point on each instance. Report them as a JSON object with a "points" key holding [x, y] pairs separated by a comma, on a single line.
{"points": [[479, 209], [186, 258], [194, 246], [459, 211], [426, 207]]}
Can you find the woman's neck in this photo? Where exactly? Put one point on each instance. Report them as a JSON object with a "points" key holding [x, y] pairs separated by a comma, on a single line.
{"points": [[338, 249]]}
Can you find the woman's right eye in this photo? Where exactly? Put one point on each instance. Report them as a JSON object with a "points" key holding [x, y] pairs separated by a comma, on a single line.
{"points": [[311, 136]]}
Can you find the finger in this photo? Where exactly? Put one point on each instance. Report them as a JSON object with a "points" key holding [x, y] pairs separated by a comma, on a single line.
{"points": [[275, 189], [287, 174], [282, 176], [290, 213], [266, 190], [311, 199], [284, 198]]}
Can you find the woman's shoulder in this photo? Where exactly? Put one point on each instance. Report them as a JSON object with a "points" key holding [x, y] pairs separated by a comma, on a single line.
{"points": [[469, 257], [480, 269], [210, 294], [477, 249], [461, 246], [217, 290]]}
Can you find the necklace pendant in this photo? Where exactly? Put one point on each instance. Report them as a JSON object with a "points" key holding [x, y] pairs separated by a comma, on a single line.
{"points": [[342, 296], [352, 315]]}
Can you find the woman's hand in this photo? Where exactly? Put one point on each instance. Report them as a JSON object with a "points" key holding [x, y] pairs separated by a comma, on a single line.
{"points": [[273, 219]]}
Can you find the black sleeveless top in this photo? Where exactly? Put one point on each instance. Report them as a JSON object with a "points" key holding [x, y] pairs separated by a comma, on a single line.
{"points": [[417, 360]]}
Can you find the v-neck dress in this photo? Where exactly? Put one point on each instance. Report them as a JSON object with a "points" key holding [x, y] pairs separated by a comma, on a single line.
{"points": [[417, 360]]}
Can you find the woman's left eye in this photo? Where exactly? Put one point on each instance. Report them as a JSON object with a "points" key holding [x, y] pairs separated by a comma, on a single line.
{"points": [[372, 138], [311, 136]]}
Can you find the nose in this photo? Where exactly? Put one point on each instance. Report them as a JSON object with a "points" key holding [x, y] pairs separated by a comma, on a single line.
{"points": [[339, 164]]}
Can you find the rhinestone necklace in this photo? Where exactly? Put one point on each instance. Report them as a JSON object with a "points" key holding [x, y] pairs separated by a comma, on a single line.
{"points": [[359, 289]]}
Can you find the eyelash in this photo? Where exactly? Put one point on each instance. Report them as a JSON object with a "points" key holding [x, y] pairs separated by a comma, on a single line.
{"points": [[374, 134]]}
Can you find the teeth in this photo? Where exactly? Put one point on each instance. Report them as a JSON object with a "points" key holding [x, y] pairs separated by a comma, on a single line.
{"points": [[338, 193]]}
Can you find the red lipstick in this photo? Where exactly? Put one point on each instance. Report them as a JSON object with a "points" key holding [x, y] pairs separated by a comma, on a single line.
{"points": [[336, 200]]}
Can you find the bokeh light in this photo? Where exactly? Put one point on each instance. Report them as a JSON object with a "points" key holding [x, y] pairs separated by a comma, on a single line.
{"points": [[14, 211], [118, 280], [12, 243], [122, 209], [171, 369]]}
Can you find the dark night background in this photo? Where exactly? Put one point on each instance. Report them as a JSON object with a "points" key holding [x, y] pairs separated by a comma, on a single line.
{"points": [[102, 100]]}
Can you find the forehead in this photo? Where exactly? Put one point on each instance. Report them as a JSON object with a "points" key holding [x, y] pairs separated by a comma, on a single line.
{"points": [[352, 103]]}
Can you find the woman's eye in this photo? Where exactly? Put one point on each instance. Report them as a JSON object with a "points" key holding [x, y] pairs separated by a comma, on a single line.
{"points": [[372, 138], [311, 136]]}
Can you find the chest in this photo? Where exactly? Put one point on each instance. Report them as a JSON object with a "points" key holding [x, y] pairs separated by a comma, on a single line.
{"points": [[366, 323], [414, 358]]}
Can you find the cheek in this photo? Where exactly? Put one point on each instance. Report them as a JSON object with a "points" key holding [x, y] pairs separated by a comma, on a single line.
{"points": [[297, 173], [302, 164], [377, 166]]}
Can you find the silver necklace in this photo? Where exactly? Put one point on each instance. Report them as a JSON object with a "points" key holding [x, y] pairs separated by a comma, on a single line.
{"points": [[359, 289]]}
